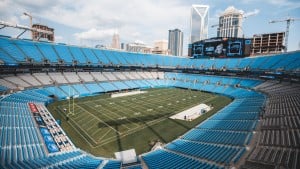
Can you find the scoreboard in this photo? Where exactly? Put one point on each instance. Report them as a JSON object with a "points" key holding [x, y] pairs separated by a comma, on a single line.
{"points": [[221, 48]]}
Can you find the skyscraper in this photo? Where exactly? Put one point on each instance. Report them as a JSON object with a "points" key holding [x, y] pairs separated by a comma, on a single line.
{"points": [[230, 23], [115, 41], [175, 42], [199, 23]]}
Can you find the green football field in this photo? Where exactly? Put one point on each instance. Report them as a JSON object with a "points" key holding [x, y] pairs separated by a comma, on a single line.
{"points": [[102, 125]]}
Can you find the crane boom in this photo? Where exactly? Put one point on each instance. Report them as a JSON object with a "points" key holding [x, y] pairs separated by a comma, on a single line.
{"points": [[287, 31]]}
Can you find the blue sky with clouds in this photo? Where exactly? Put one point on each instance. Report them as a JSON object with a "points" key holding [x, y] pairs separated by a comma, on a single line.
{"points": [[92, 22]]}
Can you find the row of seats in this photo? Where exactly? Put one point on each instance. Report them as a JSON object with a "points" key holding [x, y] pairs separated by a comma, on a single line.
{"points": [[65, 91], [237, 125], [278, 144], [289, 158], [40, 79], [166, 159], [19, 139], [292, 122], [206, 80], [217, 153], [281, 137], [15, 51], [218, 137]]}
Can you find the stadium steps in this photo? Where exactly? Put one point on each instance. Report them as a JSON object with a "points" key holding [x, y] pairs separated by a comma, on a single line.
{"points": [[125, 84], [87, 88], [67, 93], [30, 80], [24, 81], [94, 78], [72, 55], [42, 54], [113, 84], [57, 54], [21, 51], [125, 74], [8, 55], [104, 162], [100, 86], [52, 80], [66, 78], [106, 77], [90, 55], [96, 56], [133, 81], [9, 81]]}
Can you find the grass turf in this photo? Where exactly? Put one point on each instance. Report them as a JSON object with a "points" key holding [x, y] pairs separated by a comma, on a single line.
{"points": [[102, 125]]}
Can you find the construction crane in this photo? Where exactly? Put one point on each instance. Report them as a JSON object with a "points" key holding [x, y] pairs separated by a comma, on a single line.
{"points": [[288, 22]]}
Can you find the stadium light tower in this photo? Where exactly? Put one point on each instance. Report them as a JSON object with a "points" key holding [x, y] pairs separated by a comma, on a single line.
{"points": [[288, 22], [30, 19]]}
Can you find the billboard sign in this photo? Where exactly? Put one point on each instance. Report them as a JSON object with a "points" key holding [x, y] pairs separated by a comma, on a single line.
{"points": [[220, 47]]}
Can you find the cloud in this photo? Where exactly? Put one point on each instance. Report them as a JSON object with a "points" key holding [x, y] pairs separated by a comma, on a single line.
{"points": [[288, 4], [95, 34], [58, 38], [147, 20], [252, 13]]}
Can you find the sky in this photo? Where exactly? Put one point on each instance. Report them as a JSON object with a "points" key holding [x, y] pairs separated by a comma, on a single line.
{"points": [[92, 22]]}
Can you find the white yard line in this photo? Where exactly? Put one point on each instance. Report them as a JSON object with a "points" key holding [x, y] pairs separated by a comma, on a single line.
{"points": [[99, 119]]}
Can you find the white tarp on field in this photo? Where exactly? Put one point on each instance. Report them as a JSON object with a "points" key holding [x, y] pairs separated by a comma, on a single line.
{"points": [[192, 113], [127, 156]]}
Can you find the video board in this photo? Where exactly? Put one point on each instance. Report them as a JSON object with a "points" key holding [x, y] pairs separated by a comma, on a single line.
{"points": [[219, 48]]}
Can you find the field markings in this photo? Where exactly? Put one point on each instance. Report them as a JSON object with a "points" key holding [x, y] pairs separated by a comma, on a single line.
{"points": [[149, 122], [108, 131], [91, 126], [130, 107], [100, 120], [96, 131], [112, 118]]}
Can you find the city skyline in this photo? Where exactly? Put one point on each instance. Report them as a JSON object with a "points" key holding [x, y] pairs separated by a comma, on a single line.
{"points": [[88, 24]]}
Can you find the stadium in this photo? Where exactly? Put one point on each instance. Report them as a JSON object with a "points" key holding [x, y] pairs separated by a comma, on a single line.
{"points": [[224, 101], [58, 110]]}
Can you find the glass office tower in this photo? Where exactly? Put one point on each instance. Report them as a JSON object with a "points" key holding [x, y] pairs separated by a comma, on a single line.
{"points": [[199, 23]]}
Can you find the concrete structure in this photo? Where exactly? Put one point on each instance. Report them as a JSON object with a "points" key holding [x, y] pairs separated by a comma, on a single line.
{"points": [[115, 41], [161, 47], [199, 23], [175, 42], [268, 43], [40, 35], [230, 23]]}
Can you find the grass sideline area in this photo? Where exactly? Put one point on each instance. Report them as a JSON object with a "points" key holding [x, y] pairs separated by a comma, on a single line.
{"points": [[102, 125]]}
